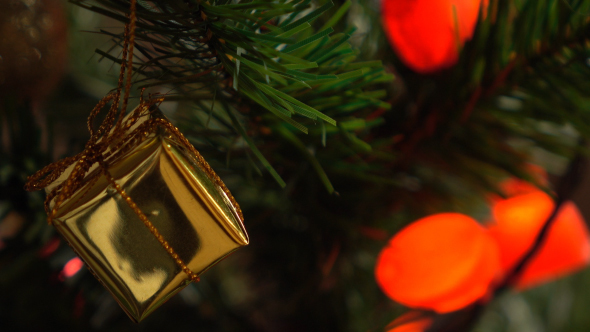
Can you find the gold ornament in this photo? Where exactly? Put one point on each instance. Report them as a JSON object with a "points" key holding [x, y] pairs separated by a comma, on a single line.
{"points": [[144, 210], [140, 205]]}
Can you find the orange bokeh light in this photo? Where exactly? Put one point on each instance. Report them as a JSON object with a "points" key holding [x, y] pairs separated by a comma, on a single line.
{"points": [[412, 321], [442, 262], [427, 34], [515, 186], [518, 221]]}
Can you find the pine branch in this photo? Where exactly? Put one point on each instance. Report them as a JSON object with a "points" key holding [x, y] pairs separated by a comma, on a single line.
{"points": [[264, 52]]}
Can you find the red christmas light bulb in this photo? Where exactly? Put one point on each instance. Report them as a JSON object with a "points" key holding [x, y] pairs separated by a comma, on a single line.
{"points": [[519, 219], [427, 34], [442, 262], [514, 186]]}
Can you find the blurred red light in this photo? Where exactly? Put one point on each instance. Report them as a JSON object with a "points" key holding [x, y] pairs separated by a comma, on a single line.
{"points": [[72, 267]]}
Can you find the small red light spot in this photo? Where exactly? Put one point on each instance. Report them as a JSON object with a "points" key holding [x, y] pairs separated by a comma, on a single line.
{"points": [[72, 267], [49, 248]]}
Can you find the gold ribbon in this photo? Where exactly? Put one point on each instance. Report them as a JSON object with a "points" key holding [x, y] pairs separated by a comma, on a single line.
{"points": [[111, 141]]}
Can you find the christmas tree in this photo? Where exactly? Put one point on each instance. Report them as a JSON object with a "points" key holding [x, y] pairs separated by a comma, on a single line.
{"points": [[400, 165]]}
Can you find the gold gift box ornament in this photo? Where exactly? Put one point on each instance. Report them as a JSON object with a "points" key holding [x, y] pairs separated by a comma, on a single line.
{"points": [[142, 208]]}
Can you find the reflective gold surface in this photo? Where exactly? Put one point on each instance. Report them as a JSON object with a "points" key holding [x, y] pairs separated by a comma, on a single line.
{"points": [[180, 199]]}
